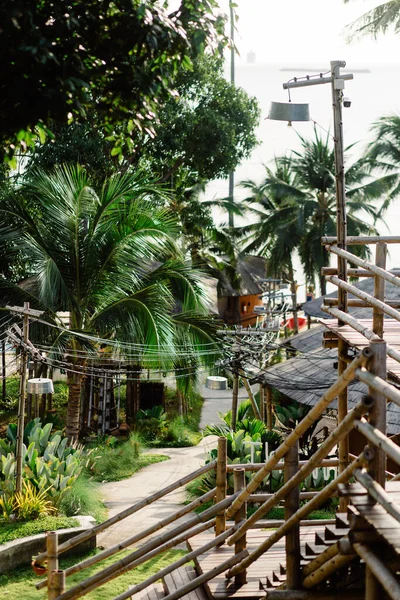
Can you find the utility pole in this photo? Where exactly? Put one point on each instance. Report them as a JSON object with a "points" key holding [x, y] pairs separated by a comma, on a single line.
{"points": [[21, 403]]}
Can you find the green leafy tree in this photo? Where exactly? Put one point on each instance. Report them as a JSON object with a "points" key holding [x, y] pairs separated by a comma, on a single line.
{"points": [[377, 20], [62, 59], [108, 258], [299, 205]]}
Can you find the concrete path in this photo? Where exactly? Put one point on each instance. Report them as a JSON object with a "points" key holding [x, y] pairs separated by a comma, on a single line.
{"points": [[121, 494]]}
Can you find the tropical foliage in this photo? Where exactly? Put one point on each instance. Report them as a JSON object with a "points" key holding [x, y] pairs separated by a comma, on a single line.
{"points": [[109, 258], [377, 20], [296, 206]]}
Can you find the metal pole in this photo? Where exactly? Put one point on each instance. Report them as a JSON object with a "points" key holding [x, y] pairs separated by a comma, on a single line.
{"points": [[21, 403]]}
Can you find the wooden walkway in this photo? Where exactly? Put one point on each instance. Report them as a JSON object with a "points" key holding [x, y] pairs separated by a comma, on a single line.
{"points": [[355, 339], [270, 561]]}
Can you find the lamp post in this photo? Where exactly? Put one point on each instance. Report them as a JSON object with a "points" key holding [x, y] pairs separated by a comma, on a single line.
{"points": [[299, 112]]}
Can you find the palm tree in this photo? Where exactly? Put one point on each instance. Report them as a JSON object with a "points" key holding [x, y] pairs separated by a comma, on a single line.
{"points": [[109, 258], [378, 20], [298, 202]]}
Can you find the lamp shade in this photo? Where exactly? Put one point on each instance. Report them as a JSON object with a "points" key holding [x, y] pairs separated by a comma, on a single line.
{"points": [[289, 111], [40, 386]]}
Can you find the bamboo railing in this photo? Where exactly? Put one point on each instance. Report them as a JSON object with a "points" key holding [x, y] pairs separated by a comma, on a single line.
{"points": [[228, 515]]}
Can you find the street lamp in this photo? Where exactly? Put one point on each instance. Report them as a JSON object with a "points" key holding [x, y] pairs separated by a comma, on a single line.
{"points": [[336, 79]]}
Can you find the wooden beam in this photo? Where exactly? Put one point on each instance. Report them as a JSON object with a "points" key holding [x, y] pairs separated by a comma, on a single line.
{"points": [[220, 493], [292, 503], [379, 570], [355, 240]]}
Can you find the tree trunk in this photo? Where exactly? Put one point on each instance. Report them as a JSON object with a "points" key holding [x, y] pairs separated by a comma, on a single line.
{"points": [[74, 381], [293, 289]]}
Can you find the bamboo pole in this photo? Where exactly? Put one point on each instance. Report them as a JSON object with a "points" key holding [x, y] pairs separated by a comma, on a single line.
{"points": [[59, 583], [352, 289], [110, 572], [379, 570], [354, 240], [235, 397], [367, 333], [328, 462], [377, 415], [292, 503], [360, 303], [275, 523], [172, 567], [257, 498], [250, 394], [262, 402], [365, 265], [92, 560], [379, 287], [376, 491], [378, 439], [220, 493], [239, 482], [331, 566], [129, 511], [195, 583], [21, 404], [343, 446], [343, 477], [379, 385], [52, 563], [373, 589], [342, 429], [354, 272], [304, 424], [319, 560]]}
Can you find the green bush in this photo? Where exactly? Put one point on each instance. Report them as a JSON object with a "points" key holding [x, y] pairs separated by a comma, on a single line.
{"points": [[83, 498], [151, 423], [12, 531]]}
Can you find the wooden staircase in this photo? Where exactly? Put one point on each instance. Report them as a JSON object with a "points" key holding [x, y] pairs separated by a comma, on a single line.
{"points": [[171, 584]]}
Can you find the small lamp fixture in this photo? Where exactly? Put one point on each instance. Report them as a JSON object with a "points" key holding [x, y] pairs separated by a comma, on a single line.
{"points": [[40, 385], [289, 111]]}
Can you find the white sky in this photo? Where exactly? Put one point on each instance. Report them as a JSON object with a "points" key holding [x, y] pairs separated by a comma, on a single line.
{"points": [[305, 31]]}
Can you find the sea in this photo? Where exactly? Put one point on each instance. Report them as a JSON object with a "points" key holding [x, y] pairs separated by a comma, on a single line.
{"points": [[373, 94]]}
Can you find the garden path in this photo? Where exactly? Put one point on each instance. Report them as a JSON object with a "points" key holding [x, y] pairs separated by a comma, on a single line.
{"points": [[121, 494]]}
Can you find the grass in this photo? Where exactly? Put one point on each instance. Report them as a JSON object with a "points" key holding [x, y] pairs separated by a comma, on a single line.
{"points": [[120, 461], [14, 530], [21, 583], [84, 498]]}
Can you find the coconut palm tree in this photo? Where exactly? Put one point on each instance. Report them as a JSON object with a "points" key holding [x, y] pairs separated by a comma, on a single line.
{"points": [[378, 19], [107, 257], [298, 205]]}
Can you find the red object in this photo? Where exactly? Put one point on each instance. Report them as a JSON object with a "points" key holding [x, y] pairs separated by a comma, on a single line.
{"points": [[290, 322]]}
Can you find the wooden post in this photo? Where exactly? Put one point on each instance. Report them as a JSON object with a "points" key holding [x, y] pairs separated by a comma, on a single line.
{"points": [[52, 563], [377, 416], [292, 504], [31, 370], [235, 394], [250, 394], [240, 515], [262, 403], [220, 494], [58, 583], [379, 288], [268, 407], [342, 412], [21, 403]]}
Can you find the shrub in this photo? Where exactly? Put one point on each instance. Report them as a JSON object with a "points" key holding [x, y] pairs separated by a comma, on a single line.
{"points": [[83, 498], [31, 503], [152, 423]]}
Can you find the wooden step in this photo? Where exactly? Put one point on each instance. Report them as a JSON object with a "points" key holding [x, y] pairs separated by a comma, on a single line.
{"points": [[278, 578], [180, 577], [342, 520], [153, 592], [320, 540], [333, 533]]}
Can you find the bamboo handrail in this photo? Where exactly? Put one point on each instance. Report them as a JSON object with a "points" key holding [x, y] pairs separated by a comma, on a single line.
{"points": [[377, 492], [264, 497], [359, 303], [365, 265], [373, 302], [379, 569], [324, 494], [329, 567], [110, 572], [329, 462], [92, 560], [380, 385], [319, 560], [275, 523], [128, 511], [367, 333], [379, 439], [179, 563], [300, 429], [354, 240], [355, 272], [341, 430]]}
